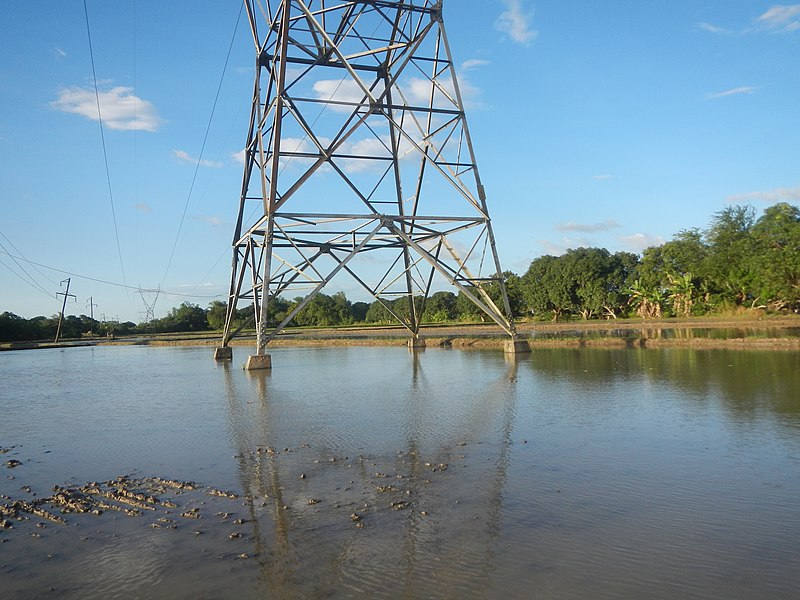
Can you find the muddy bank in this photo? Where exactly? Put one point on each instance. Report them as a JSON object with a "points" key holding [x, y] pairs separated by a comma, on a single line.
{"points": [[777, 333]]}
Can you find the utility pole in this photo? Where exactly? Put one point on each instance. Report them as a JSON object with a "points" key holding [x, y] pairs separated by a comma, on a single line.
{"points": [[66, 295], [91, 306]]}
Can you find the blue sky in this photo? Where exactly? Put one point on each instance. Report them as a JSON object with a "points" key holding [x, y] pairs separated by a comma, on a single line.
{"points": [[611, 124]]}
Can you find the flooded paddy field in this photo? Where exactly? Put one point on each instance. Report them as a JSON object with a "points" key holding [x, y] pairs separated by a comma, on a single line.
{"points": [[371, 472]]}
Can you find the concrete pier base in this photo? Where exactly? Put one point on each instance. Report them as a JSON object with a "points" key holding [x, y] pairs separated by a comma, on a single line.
{"points": [[223, 353], [516, 346], [416, 343], [258, 362]]}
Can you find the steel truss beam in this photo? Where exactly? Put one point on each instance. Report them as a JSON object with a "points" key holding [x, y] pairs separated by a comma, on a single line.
{"points": [[358, 159]]}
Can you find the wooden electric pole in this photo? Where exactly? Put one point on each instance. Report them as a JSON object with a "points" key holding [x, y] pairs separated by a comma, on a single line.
{"points": [[66, 294], [91, 316]]}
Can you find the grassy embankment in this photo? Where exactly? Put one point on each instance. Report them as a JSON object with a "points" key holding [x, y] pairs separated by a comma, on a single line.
{"points": [[749, 331]]}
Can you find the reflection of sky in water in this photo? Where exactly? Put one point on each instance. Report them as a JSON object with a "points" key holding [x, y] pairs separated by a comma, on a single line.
{"points": [[577, 473]]}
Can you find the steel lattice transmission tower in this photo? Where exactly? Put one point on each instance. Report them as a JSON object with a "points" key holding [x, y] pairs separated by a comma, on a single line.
{"points": [[359, 160]]}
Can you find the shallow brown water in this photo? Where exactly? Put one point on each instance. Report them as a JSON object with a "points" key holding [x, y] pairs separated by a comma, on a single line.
{"points": [[375, 473]]}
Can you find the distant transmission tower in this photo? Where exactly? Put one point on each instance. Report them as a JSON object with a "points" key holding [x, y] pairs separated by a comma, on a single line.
{"points": [[358, 160], [149, 305]]}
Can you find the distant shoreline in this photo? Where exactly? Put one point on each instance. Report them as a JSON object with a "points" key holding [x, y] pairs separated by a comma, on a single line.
{"points": [[767, 333]]}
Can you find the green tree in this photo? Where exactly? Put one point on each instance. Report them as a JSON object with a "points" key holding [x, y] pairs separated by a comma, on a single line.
{"points": [[547, 287], [776, 260], [646, 300], [440, 308], [586, 272], [731, 252], [359, 311], [13, 328], [189, 317], [681, 294], [216, 313], [620, 276], [377, 313], [324, 311]]}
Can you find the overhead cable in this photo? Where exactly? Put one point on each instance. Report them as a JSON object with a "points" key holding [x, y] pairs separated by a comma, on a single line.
{"points": [[202, 149], [103, 139], [104, 281]]}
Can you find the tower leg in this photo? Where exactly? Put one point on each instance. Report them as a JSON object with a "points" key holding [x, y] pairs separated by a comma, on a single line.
{"points": [[223, 353], [516, 346], [416, 343], [258, 362]]}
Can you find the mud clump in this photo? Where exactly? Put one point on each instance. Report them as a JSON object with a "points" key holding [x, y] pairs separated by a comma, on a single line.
{"points": [[124, 494]]}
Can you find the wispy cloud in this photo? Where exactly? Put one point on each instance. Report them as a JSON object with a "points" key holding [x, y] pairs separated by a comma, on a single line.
{"points": [[474, 63], [211, 220], [184, 157], [715, 29], [516, 23], [59, 54], [780, 18], [120, 109], [771, 196], [560, 247], [143, 207], [639, 241], [606, 225], [737, 91], [602, 177]]}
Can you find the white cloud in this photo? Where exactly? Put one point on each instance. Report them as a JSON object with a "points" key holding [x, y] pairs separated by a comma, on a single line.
{"points": [[515, 23], [59, 53], [560, 247], [639, 241], [473, 63], [714, 29], [341, 90], [366, 147], [781, 18], [745, 89], [213, 221], [119, 108], [771, 196], [417, 91], [602, 177], [606, 225], [238, 157], [184, 157]]}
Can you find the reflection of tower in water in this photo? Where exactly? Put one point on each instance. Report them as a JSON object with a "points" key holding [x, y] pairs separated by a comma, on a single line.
{"points": [[415, 505]]}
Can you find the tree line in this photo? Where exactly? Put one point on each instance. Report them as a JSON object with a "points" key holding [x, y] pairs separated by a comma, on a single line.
{"points": [[740, 261]]}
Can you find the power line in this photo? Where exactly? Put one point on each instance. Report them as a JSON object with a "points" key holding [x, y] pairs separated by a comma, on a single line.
{"points": [[17, 250], [103, 139], [34, 286], [30, 281], [104, 281], [202, 148]]}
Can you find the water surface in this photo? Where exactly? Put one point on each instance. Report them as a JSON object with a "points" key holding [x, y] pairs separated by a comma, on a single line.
{"points": [[373, 472]]}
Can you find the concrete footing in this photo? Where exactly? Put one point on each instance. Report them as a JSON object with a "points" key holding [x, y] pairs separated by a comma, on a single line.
{"points": [[416, 343], [223, 353], [516, 346], [258, 362]]}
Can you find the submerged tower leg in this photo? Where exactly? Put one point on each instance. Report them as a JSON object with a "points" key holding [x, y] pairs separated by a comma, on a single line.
{"points": [[223, 353], [258, 362], [516, 346]]}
